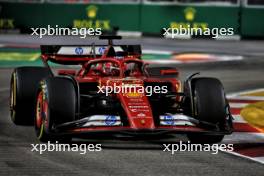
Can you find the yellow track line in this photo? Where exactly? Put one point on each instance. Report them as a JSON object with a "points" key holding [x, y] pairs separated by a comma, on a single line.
{"points": [[16, 56]]}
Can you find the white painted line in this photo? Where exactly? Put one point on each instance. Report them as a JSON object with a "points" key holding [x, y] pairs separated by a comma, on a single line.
{"points": [[164, 61], [261, 159], [257, 98], [238, 119], [229, 58], [231, 37], [238, 105], [261, 135], [231, 95], [129, 33], [247, 157], [149, 51], [179, 36], [251, 134]]}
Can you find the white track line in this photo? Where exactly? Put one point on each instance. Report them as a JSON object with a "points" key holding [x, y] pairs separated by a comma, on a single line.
{"points": [[238, 105], [257, 98], [149, 51], [165, 61], [238, 119], [260, 159], [235, 94], [256, 159]]}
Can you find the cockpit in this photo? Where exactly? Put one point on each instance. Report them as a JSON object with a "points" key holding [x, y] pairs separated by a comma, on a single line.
{"points": [[108, 67]]}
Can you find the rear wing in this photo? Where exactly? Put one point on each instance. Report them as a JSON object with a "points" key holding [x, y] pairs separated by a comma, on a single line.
{"points": [[77, 54]]}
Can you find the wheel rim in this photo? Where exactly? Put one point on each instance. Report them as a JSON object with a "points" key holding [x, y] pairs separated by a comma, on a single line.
{"points": [[41, 114], [39, 110]]}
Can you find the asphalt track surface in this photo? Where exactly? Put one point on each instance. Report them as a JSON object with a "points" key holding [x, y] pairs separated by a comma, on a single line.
{"points": [[135, 156]]}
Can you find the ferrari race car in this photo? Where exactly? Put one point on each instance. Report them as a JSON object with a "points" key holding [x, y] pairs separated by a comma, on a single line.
{"points": [[110, 90]]}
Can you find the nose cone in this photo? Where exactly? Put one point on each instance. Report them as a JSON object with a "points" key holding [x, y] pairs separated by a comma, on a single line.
{"points": [[142, 123], [138, 111]]}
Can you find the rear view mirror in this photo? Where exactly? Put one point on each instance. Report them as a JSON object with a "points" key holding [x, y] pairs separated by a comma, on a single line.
{"points": [[169, 72], [67, 72]]}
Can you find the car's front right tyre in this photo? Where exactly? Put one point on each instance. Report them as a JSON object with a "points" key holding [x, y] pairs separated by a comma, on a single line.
{"points": [[210, 106]]}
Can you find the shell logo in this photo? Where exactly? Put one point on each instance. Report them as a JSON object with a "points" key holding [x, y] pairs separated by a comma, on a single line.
{"points": [[189, 13], [91, 11], [133, 95]]}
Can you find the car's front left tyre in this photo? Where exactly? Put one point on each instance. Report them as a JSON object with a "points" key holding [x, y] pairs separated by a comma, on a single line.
{"points": [[56, 104]]}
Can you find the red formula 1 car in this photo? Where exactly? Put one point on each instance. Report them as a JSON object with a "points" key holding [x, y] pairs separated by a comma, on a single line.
{"points": [[114, 91]]}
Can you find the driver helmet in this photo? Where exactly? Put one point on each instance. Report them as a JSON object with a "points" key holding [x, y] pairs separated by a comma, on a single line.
{"points": [[110, 69]]}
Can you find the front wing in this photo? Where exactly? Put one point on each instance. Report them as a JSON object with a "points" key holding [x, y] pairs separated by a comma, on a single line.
{"points": [[111, 124]]}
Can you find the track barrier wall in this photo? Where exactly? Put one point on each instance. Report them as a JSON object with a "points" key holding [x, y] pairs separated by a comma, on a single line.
{"points": [[145, 18]]}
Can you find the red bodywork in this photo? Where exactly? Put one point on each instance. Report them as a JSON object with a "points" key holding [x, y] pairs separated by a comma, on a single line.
{"points": [[137, 107]]}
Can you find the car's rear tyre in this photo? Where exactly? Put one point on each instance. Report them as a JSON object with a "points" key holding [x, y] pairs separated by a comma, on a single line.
{"points": [[56, 104], [209, 106], [23, 89]]}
